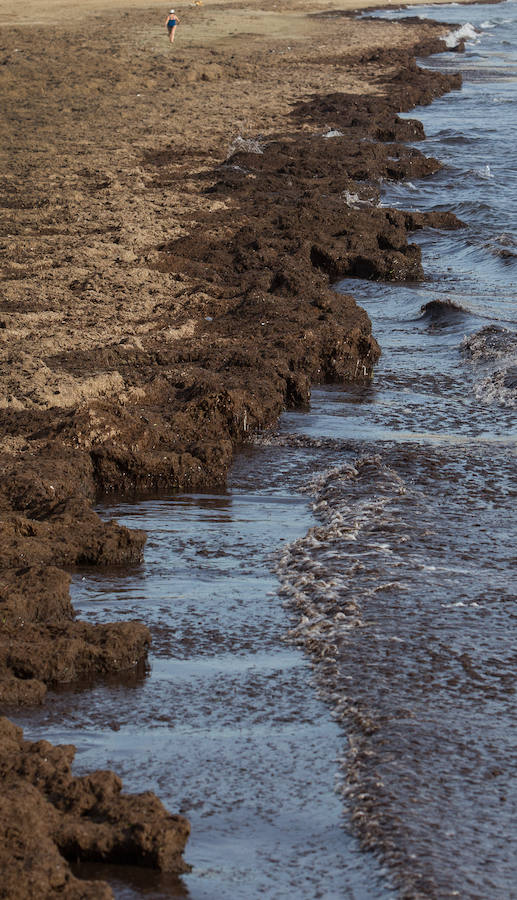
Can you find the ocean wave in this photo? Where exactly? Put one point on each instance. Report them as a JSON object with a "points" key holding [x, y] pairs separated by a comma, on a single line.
{"points": [[484, 172], [443, 313], [466, 32], [503, 245], [327, 574], [493, 342], [500, 387]]}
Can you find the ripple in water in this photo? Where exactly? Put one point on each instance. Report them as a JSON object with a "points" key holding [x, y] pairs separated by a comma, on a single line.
{"points": [[404, 589], [403, 596]]}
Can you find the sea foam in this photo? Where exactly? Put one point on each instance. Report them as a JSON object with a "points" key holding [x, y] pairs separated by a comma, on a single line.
{"points": [[467, 32]]}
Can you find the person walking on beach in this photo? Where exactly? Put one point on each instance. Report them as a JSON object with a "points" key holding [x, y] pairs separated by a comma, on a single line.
{"points": [[170, 23]]}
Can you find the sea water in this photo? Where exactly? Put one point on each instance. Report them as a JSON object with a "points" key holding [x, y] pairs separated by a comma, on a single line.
{"points": [[225, 723], [377, 531], [416, 534]]}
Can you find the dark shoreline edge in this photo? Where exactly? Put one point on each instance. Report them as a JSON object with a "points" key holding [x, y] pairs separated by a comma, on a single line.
{"points": [[273, 327], [413, 6]]}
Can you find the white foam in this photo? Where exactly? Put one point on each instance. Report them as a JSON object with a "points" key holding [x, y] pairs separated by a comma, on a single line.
{"points": [[493, 389], [467, 32], [484, 172], [490, 344], [325, 575]]}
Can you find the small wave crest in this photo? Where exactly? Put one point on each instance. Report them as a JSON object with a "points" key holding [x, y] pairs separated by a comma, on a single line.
{"points": [[467, 32], [500, 387], [493, 342], [442, 313], [328, 573], [484, 172], [504, 246]]}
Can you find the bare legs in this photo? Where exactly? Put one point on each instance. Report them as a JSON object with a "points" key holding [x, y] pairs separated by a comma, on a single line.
{"points": [[171, 34]]}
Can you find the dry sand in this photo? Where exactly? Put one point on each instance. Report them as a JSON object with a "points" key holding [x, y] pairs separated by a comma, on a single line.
{"points": [[87, 94]]}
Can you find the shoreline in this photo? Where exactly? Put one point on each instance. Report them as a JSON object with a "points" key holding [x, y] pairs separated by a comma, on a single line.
{"points": [[52, 11], [146, 304]]}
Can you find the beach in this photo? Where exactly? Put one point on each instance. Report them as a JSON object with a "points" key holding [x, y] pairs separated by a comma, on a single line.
{"points": [[173, 219]]}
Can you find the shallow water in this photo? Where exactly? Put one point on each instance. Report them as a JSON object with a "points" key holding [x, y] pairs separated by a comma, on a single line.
{"points": [[409, 575], [227, 725], [390, 513]]}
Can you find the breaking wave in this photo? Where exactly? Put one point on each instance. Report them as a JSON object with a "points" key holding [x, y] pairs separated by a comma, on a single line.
{"points": [[467, 32], [442, 313], [494, 344]]}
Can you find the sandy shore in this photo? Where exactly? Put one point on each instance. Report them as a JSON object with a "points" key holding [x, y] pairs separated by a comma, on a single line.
{"points": [[173, 217]]}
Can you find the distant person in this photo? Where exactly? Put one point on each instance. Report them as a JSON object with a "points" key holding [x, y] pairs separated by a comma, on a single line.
{"points": [[170, 23]]}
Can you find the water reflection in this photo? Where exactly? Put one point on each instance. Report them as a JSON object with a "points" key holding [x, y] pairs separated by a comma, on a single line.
{"points": [[226, 725]]}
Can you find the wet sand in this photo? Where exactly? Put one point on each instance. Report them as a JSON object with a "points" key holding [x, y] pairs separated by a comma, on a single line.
{"points": [[172, 219]]}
